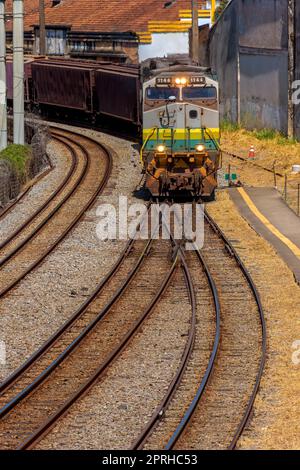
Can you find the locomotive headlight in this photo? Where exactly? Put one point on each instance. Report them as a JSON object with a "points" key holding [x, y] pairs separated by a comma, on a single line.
{"points": [[200, 148], [181, 81], [192, 160], [161, 148]]}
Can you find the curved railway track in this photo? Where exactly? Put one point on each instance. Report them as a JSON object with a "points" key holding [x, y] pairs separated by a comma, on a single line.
{"points": [[81, 351], [34, 240], [222, 394], [211, 396]]}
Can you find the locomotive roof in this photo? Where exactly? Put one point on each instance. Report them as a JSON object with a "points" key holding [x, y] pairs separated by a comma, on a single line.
{"points": [[181, 68]]}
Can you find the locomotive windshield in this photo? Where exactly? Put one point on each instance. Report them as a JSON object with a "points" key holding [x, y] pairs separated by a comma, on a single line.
{"points": [[157, 93], [199, 93]]}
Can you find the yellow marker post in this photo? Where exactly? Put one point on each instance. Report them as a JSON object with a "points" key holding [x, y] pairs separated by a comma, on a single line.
{"points": [[294, 248], [213, 10]]}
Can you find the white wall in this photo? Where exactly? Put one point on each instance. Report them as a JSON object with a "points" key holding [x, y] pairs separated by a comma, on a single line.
{"points": [[166, 43]]}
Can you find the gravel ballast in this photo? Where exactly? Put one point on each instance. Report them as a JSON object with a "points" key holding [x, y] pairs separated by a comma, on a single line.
{"points": [[48, 296]]}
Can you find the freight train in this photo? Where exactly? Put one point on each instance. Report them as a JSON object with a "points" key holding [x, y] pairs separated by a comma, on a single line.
{"points": [[79, 92], [175, 112]]}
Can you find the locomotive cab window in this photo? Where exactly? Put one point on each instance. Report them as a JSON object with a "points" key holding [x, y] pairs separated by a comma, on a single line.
{"points": [[156, 93], [199, 93], [193, 114]]}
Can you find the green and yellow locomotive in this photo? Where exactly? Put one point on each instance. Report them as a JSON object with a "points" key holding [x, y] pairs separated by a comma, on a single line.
{"points": [[181, 134]]}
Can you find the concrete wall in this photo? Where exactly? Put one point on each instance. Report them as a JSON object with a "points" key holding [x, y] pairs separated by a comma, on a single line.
{"points": [[297, 68], [249, 52], [223, 52]]}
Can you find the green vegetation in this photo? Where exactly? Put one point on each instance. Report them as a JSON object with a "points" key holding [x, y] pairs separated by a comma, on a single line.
{"points": [[271, 134], [262, 134], [18, 156], [229, 126], [220, 9]]}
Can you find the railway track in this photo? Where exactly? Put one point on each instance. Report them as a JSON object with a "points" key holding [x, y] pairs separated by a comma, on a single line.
{"points": [[209, 400], [211, 397], [34, 240], [43, 389]]}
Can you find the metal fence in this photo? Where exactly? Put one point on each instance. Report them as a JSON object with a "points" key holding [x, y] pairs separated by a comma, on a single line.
{"points": [[291, 193]]}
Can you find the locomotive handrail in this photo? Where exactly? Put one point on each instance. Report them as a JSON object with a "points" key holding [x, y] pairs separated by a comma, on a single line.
{"points": [[146, 141], [218, 147]]}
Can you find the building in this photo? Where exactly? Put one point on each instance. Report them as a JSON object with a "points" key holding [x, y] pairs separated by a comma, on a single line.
{"points": [[126, 30], [254, 48]]}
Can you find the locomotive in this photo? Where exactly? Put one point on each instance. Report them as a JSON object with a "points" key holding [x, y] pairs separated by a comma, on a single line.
{"points": [[180, 150]]}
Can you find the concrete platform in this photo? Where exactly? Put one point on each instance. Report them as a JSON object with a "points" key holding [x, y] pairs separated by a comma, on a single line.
{"points": [[268, 214]]}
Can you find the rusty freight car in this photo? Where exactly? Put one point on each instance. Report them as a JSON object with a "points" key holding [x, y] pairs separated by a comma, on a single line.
{"points": [[88, 91], [27, 80], [118, 92], [62, 85]]}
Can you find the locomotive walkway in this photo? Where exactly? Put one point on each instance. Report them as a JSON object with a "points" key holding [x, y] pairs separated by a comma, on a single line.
{"points": [[268, 214]]}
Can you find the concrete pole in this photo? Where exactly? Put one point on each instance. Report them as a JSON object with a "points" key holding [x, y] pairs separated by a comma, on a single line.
{"points": [[195, 32], [18, 79], [42, 28], [3, 98]]}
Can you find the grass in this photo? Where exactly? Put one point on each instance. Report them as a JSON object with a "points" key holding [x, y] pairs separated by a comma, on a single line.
{"points": [[18, 156], [262, 134], [229, 126], [271, 134]]}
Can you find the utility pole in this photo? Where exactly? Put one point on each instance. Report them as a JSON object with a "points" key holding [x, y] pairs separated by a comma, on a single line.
{"points": [[3, 98], [42, 28], [291, 66], [195, 32], [18, 73]]}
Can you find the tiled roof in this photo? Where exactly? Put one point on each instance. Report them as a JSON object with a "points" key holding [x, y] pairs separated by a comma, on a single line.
{"points": [[110, 15]]}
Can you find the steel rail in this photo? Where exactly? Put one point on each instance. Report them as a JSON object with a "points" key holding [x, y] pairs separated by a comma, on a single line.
{"points": [[77, 341], [13, 378], [76, 220], [44, 222], [159, 412], [212, 360], [41, 209], [48, 425], [11, 206], [246, 416], [205, 380]]}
